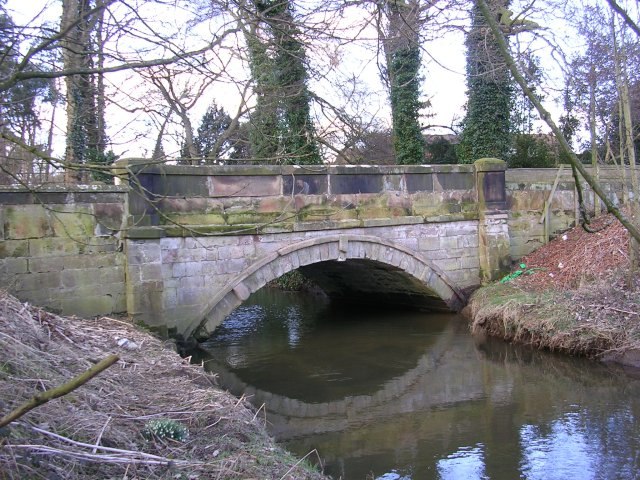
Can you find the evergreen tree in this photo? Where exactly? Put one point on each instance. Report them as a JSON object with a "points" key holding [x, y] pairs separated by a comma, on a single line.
{"points": [[19, 115], [212, 140]]}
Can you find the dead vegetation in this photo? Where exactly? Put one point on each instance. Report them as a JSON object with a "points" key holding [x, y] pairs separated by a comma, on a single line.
{"points": [[574, 296], [104, 428]]}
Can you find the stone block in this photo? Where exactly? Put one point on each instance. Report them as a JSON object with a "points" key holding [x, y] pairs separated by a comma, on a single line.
{"points": [[96, 260], [26, 222], [73, 221], [194, 296], [470, 262], [146, 305], [234, 265], [171, 244], [191, 255], [38, 281], [10, 267], [151, 272], [470, 241], [141, 252], [196, 281], [41, 298], [46, 264], [196, 219], [448, 264], [212, 268], [14, 248], [448, 243], [79, 278], [244, 185], [186, 269], [88, 305], [170, 297]]}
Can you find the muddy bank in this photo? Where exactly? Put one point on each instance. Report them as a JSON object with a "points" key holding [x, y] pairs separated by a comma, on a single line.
{"points": [[151, 415], [574, 295]]}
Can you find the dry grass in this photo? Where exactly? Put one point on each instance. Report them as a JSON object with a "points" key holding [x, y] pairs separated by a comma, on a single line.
{"points": [[598, 319], [96, 430]]}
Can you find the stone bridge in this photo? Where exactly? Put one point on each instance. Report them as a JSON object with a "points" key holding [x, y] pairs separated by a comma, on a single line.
{"points": [[203, 239], [178, 247]]}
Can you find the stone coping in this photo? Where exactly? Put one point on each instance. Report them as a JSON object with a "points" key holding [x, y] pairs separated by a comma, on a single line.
{"points": [[148, 166], [64, 188]]}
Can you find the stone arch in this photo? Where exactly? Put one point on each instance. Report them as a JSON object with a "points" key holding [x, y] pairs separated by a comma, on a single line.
{"points": [[333, 247]]}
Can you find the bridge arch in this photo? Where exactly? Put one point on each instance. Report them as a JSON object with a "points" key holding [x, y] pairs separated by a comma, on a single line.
{"points": [[338, 248]]}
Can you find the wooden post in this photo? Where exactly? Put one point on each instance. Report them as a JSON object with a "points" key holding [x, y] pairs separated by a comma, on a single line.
{"points": [[546, 220]]}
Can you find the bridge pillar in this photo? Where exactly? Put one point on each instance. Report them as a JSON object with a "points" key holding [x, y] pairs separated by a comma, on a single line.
{"points": [[493, 227]]}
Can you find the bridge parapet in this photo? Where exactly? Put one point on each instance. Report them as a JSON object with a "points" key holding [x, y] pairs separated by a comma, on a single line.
{"points": [[175, 200]]}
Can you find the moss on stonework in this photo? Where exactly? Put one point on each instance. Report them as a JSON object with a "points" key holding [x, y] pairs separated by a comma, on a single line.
{"points": [[489, 164]]}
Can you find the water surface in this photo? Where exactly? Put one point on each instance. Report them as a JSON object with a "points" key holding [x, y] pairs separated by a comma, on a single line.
{"points": [[391, 395]]}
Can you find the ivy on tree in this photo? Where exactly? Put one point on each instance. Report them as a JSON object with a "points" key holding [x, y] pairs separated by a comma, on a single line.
{"points": [[402, 51], [486, 128], [281, 127]]}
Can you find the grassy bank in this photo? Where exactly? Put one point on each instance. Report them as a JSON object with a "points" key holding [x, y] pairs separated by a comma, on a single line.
{"points": [[151, 415], [574, 295]]}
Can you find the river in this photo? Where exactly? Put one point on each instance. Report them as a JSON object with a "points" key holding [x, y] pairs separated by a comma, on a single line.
{"points": [[394, 395]]}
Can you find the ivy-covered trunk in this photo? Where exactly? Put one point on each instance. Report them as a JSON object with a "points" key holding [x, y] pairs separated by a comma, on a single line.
{"points": [[281, 127], [402, 52], [85, 132], [486, 126]]}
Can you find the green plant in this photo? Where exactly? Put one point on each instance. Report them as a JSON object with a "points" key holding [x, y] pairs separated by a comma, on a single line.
{"points": [[165, 428], [523, 270], [293, 281], [486, 128]]}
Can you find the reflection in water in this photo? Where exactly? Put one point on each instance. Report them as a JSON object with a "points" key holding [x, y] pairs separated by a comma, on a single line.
{"points": [[414, 396], [467, 462]]}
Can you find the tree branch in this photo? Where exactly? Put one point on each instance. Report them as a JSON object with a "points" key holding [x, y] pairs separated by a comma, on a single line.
{"points": [[623, 13], [71, 385]]}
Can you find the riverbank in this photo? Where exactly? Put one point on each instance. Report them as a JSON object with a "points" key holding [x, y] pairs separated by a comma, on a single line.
{"points": [[151, 415], [573, 295]]}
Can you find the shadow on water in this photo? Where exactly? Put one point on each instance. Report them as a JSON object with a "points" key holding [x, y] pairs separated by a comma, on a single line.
{"points": [[410, 395]]}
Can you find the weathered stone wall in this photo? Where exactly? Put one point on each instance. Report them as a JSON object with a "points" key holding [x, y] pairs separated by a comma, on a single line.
{"points": [[527, 191], [58, 249], [194, 201], [196, 240]]}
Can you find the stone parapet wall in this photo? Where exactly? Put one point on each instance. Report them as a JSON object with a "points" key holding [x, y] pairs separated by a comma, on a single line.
{"points": [[193, 201], [59, 248], [527, 191]]}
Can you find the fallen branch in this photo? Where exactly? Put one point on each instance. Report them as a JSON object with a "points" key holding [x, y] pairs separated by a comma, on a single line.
{"points": [[59, 391], [605, 307]]}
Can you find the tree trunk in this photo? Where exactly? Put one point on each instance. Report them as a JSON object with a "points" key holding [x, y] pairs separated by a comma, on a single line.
{"points": [[76, 54], [592, 132]]}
